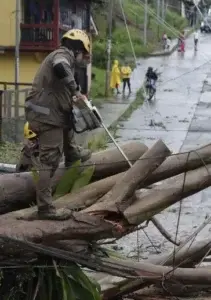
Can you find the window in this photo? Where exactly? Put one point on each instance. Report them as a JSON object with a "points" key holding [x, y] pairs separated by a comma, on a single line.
{"points": [[37, 11]]}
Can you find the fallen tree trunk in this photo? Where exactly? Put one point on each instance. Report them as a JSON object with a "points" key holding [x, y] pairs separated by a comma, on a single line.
{"points": [[18, 190], [180, 163], [168, 193], [186, 257], [156, 273], [120, 196], [78, 200], [89, 227], [22, 191], [128, 268]]}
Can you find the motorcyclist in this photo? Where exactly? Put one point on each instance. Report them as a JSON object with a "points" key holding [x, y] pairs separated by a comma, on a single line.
{"points": [[48, 110], [151, 78]]}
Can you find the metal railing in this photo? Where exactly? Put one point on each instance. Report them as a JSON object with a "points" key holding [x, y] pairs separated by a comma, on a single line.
{"points": [[12, 114], [38, 36]]}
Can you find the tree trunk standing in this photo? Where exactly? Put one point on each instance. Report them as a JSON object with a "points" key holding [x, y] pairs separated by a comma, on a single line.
{"points": [[18, 189]]}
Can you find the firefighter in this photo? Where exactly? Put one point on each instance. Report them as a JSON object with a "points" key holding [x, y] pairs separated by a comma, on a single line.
{"points": [[48, 110]]}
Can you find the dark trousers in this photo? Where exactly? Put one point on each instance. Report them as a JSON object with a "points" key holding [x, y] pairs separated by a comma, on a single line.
{"points": [[126, 81]]}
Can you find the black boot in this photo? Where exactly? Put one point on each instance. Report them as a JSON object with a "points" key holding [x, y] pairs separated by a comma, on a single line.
{"points": [[78, 153]]}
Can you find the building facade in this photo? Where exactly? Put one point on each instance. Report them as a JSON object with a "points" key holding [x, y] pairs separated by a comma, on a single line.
{"points": [[43, 22]]}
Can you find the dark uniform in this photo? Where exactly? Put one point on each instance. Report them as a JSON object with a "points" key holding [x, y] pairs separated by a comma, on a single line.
{"points": [[48, 111]]}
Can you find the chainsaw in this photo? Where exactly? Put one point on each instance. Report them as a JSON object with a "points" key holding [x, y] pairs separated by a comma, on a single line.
{"points": [[87, 117]]}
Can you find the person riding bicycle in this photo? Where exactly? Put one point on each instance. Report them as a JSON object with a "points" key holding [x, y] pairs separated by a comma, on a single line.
{"points": [[151, 78]]}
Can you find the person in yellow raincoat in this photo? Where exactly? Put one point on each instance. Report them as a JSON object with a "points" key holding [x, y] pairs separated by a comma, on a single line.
{"points": [[126, 73], [115, 77]]}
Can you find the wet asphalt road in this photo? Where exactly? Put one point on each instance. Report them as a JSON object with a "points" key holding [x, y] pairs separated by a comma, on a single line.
{"points": [[181, 117]]}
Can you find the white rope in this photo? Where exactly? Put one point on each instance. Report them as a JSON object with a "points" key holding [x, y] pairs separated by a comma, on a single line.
{"points": [[131, 43], [128, 32]]}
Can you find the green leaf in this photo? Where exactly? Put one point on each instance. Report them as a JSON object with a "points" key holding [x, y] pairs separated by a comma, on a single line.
{"points": [[68, 179], [83, 293], [68, 293], [84, 179], [79, 278], [35, 175], [49, 276]]}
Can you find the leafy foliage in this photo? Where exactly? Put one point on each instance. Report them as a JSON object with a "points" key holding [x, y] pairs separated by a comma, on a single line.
{"points": [[53, 282], [68, 179], [57, 283]]}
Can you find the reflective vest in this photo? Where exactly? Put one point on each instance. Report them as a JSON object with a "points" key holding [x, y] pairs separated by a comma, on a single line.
{"points": [[126, 72]]}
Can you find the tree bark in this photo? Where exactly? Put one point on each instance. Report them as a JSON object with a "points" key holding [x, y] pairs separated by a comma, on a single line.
{"points": [[156, 273], [89, 227], [171, 191], [121, 195], [78, 200], [186, 257], [179, 163], [17, 191]]}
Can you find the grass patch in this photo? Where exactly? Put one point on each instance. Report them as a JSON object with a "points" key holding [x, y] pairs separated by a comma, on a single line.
{"points": [[97, 92], [10, 152], [99, 142], [127, 114]]}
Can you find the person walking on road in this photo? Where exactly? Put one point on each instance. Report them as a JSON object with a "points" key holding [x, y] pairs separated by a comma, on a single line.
{"points": [[115, 77], [126, 73], [196, 39], [48, 110], [181, 42]]}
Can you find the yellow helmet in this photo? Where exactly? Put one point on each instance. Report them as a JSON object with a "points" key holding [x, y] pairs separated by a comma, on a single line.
{"points": [[28, 133], [78, 35]]}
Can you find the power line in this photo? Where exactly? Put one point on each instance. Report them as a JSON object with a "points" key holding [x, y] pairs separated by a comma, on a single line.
{"points": [[109, 44]]}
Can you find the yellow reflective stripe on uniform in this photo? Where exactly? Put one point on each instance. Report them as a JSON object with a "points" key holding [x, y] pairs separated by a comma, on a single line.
{"points": [[37, 108]]}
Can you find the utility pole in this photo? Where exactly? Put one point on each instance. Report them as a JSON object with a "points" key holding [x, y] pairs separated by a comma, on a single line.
{"points": [[17, 63], [163, 10], [145, 21], [158, 17], [17, 42], [109, 44]]}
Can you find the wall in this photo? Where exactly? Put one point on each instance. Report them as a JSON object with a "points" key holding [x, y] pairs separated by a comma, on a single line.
{"points": [[29, 63], [7, 23]]}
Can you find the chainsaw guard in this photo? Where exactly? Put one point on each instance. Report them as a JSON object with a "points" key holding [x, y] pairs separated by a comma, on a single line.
{"points": [[84, 120]]}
